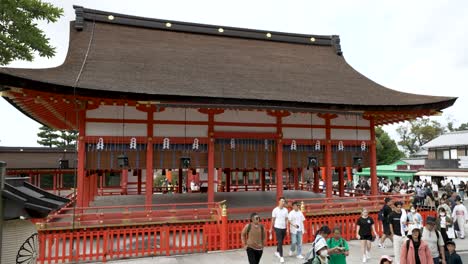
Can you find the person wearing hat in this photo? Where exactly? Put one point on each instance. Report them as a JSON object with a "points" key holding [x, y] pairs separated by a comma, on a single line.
{"points": [[414, 250], [434, 240], [459, 215], [321, 252], [451, 254], [386, 259]]}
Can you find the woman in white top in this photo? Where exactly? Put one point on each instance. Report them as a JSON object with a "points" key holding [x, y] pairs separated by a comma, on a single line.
{"points": [[415, 219]]}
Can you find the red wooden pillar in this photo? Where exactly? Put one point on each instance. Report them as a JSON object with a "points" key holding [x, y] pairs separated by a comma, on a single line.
{"points": [[316, 180], [80, 186], [211, 161], [296, 179], [86, 190], [54, 182], [279, 168], [349, 172], [124, 181], [149, 172], [180, 180], [224, 234], [139, 182], [328, 154], [373, 158], [262, 179], [341, 181]]}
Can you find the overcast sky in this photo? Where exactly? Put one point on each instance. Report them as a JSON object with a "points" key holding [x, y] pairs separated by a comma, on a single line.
{"points": [[411, 46]]}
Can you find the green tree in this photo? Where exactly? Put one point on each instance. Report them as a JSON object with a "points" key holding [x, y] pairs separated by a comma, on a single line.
{"points": [[67, 139], [451, 128], [20, 37], [387, 149], [47, 137], [416, 133]]}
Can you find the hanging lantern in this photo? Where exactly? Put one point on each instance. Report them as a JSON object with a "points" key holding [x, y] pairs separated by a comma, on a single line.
{"points": [[195, 144], [233, 144], [63, 164], [166, 143], [317, 145], [340, 146], [312, 162], [357, 162], [122, 161], [363, 146], [185, 162], [100, 144], [133, 143], [293, 145]]}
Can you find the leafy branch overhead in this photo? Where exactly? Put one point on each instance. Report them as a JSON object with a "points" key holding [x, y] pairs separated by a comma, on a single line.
{"points": [[20, 36], [55, 138]]}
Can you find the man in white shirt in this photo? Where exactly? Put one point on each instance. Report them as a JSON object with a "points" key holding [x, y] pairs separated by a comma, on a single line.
{"points": [[279, 222], [296, 228], [434, 240]]}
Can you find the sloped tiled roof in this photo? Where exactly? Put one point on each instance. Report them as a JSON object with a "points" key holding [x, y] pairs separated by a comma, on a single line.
{"points": [[452, 139]]}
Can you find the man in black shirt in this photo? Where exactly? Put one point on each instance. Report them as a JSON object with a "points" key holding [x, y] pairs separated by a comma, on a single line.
{"points": [[385, 222], [396, 230]]}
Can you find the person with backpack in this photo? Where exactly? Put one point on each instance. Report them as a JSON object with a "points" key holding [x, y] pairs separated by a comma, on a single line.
{"points": [[254, 239], [296, 221], [414, 250], [383, 216], [434, 240], [320, 237]]}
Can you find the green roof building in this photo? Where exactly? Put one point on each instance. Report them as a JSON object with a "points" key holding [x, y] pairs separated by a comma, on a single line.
{"points": [[391, 171]]}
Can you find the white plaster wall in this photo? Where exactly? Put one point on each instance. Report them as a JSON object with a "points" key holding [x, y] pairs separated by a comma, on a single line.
{"points": [[115, 129], [180, 131], [244, 129], [111, 111], [350, 134], [245, 117], [303, 118], [179, 114], [349, 120], [303, 133]]}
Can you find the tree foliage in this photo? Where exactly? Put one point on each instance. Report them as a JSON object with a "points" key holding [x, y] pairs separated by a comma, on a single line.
{"points": [[20, 37], [47, 137], [54, 138], [387, 149], [416, 133], [451, 128]]}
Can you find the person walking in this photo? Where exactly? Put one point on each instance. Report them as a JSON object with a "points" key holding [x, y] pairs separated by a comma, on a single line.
{"points": [[296, 227], [459, 215], [341, 246], [461, 190], [386, 210], [364, 230], [397, 219], [443, 224], [414, 219], [414, 250], [434, 240], [451, 254], [254, 239], [279, 223]]}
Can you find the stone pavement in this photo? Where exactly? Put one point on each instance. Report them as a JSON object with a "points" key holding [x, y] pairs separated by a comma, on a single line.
{"points": [[239, 256]]}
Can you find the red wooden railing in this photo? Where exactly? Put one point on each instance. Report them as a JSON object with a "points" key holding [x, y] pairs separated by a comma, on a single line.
{"points": [[107, 243]]}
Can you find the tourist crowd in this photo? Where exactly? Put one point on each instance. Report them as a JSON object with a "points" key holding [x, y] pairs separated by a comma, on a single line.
{"points": [[414, 240]]}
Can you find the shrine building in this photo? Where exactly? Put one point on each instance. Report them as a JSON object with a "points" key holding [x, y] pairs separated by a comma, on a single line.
{"points": [[148, 94]]}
